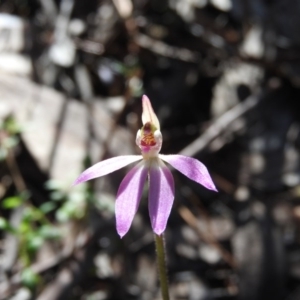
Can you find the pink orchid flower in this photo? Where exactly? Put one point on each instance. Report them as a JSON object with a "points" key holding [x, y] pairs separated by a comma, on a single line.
{"points": [[151, 165]]}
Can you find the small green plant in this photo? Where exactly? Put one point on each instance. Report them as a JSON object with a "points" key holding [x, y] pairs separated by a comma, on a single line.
{"points": [[33, 230], [9, 131]]}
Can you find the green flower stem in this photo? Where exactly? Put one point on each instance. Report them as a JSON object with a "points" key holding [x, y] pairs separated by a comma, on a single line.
{"points": [[161, 265]]}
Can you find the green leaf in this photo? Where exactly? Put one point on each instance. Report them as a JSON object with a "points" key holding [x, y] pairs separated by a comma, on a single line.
{"points": [[3, 224], [57, 196], [32, 214], [34, 242], [24, 227], [53, 185], [11, 126], [47, 207], [63, 214], [49, 232], [12, 202], [29, 278]]}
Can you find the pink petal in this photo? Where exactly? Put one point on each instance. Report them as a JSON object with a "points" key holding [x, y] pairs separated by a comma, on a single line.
{"points": [[161, 196], [148, 113], [129, 196], [192, 168], [106, 166]]}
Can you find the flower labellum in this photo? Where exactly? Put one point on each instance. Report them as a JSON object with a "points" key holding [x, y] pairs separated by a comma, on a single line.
{"points": [[151, 165]]}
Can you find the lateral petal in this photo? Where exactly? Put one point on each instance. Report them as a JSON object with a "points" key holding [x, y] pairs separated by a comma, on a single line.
{"points": [[161, 195], [129, 196], [192, 168], [106, 166]]}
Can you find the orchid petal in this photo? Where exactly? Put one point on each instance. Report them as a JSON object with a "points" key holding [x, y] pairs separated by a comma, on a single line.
{"points": [[129, 196], [161, 195], [192, 168], [148, 113], [106, 166]]}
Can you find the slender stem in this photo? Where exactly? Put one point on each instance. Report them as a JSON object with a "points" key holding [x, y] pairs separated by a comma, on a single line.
{"points": [[161, 265]]}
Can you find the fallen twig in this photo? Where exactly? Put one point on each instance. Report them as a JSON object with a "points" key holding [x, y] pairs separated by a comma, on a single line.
{"points": [[219, 125], [190, 219]]}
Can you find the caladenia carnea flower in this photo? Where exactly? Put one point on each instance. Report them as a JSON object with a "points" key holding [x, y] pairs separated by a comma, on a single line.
{"points": [[152, 166]]}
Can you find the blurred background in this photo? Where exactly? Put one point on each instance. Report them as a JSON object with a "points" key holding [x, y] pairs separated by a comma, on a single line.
{"points": [[224, 79]]}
